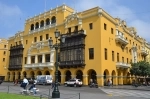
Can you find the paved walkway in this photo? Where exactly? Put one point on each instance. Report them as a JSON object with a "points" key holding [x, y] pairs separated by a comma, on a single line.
{"points": [[129, 87]]}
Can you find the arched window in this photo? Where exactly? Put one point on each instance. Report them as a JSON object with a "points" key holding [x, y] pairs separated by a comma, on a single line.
{"points": [[32, 27], [42, 24], [37, 25], [53, 20], [47, 21]]}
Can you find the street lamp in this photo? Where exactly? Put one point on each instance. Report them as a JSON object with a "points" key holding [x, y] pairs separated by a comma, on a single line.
{"points": [[61, 38]]}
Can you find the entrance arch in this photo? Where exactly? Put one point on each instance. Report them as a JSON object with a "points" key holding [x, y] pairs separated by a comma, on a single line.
{"points": [[92, 75], [68, 75], [79, 75], [13, 76], [24, 74], [47, 73], [39, 73], [32, 74], [106, 74], [113, 77], [19, 75]]}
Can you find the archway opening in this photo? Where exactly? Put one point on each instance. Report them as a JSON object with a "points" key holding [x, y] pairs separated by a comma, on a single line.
{"points": [[92, 75], [19, 75], [68, 75], [13, 76], [39, 73], [24, 74], [79, 75], [47, 73], [106, 74], [113, 77], [32, 74], [53, 20]]}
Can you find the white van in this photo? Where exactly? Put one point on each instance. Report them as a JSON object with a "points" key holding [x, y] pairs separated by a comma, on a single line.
{"points": [[44, 79]]}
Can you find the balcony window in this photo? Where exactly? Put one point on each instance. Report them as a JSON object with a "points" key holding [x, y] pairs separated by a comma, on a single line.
{"points": [[42, 24], [41, 38], [47, 21], [47, 57], [32, 59], [123, 59], [39, 58], [25, 60]]}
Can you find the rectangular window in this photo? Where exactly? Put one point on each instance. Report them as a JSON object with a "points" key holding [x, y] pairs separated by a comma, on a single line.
{"points": [[3, 59], [39, 58], [32, 59], [117, 57], [4, 52], [105, 26], [113, 56], [4, 46], [123, 59], [25, 60], [112, 31], [127, 60], [76, 28], [41, 38], [35, 39], [16, 43], [91, 53], [105, 54], [91, 26], [47, 36], [127, 49], [69, 30], [26, 41], [47, 57]]}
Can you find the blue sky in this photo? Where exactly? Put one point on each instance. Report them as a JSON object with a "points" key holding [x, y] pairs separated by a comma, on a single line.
{"points": [[14, 12]]}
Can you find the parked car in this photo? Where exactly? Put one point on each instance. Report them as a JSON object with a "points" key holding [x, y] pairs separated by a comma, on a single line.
{"points": [[74, 82], [44, 79]]}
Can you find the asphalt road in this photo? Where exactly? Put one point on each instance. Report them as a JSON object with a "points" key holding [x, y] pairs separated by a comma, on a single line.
{"points": [[75, 93]]}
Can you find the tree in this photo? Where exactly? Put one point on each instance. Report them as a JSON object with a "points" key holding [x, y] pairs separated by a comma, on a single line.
{"points": [[141, 68]]}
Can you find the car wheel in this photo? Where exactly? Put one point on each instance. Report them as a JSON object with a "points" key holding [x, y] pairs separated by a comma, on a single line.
{"points": [[65, 85], [75, 85]]}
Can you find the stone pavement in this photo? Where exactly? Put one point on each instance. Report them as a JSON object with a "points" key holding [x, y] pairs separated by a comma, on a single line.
{"points": [[129, 87]]}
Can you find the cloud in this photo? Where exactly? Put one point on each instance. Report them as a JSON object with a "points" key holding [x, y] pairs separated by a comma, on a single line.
{"points": [[9, 19], [116, 9]]}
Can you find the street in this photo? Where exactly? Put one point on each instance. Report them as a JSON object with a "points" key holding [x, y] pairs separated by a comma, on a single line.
{"points": [[85, 92]]}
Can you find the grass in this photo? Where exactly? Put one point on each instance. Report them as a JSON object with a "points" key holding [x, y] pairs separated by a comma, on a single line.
{"points": [[16, 96]]}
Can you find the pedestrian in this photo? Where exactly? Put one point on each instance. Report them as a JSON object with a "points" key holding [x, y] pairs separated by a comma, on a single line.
{"points": [[15, 82], [111, 82], [24, 83], [33, 88]]}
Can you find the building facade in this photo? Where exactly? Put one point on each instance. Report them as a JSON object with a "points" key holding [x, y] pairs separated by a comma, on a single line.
{"points": [[3, 58], [97, 47]]}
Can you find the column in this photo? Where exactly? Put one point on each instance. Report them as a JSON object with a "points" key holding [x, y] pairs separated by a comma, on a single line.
{"points": [[11, 77], [43, 58], [63, 78], [52, 52], [114, 80], [36, 58], [16, 77], [85, 80], [100, 80], [29, 59]]}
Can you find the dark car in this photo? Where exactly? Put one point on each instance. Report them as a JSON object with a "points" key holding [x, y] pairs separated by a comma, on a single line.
{"points": [[1, 81]]}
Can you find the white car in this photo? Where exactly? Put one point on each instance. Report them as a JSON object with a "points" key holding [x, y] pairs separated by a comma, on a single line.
{"points": [[74, 82]]}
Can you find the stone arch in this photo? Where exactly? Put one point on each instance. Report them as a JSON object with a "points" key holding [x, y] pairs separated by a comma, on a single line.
{"points": [[32, 74], [8, 76], [42, 23], [59, 76], [39, 73], [113, 77], [36, 25], [53, 20], [47, 21], [79, 75], [32, 27], [24, 74], [68, 75], [106, 74], [92, 75], [47, 73]]}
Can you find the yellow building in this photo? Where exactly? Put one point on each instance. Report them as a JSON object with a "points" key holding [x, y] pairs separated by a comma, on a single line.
{"points": [[97, 47], [3, 58]]}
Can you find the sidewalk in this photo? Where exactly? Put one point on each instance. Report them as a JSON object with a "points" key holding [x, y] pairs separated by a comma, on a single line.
{"points": [[128, 87]]}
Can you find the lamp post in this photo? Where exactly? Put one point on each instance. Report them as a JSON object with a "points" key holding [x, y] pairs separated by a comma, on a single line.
{"points": [[61, 38]]}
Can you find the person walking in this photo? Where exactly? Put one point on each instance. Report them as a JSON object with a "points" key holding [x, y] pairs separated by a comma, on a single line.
{"points": [[33, 88], [25, 83]]}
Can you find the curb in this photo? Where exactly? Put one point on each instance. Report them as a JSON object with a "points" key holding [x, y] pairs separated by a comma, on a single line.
{"points": [[127, 88]]}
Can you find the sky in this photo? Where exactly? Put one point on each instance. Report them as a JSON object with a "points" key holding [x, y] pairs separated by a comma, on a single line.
{"points": [[13, 13]]}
